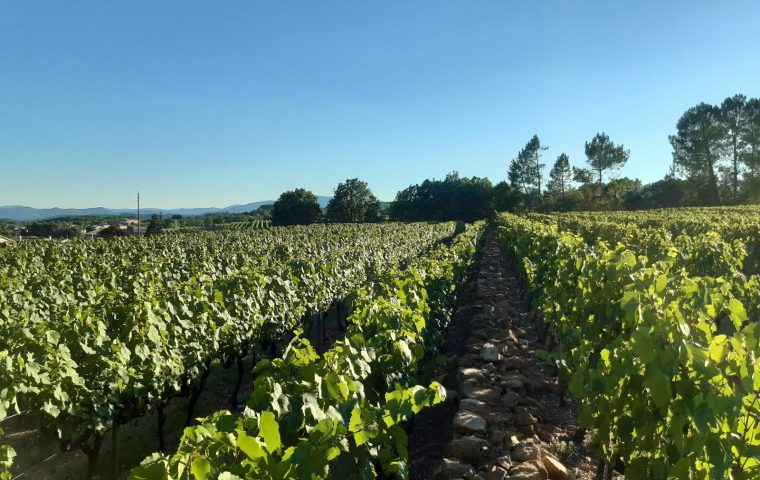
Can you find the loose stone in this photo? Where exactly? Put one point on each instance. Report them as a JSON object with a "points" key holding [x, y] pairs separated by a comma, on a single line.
{"points": [[452, 468], [466, 421], [468, 448], [555, 469], [525, 452]]}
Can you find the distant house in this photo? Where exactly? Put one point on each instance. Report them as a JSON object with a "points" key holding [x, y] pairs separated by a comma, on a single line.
{"points": [[113, 231], [95, 232], [116, 230]]}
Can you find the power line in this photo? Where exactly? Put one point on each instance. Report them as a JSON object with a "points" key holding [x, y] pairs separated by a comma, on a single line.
{"points": [[14, 415], [35, 466]]}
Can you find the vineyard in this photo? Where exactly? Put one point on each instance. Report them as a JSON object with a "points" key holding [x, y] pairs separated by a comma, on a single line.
{"points": [[97, 333], [646, 319], [254, 224], [655, 319]]}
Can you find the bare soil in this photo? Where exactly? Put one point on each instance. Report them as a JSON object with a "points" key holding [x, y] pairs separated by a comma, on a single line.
{"points": [[493, 373]]}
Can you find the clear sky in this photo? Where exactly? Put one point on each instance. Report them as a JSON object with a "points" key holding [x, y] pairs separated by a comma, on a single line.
{"points": [[211, 103]]}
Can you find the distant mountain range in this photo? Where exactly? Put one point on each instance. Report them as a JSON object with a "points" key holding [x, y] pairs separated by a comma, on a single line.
{"points": [[21, 213]]}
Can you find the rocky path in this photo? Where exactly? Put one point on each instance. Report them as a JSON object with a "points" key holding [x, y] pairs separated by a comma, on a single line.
{"points": [[505, 418]]}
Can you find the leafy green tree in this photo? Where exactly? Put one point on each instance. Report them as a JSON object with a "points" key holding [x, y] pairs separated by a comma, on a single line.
{"points": [[353, 202], [506, 198], [560, 176], [735, 118], [525, 171], [620, 192], [602, 155], [296, 207], [466, 198], [666, 193], [454, 198], [583, 175], [155, 225], [590, 193], [51, 229], [407, 206], [751, 155], [697, 147]]}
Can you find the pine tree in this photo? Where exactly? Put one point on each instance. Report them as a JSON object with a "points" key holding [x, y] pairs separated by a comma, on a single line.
{"points": [[603, 155], [560, 176], [525, 171]]}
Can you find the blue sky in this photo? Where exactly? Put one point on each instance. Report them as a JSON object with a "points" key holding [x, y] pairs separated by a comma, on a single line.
{"points": [[200, 103]]}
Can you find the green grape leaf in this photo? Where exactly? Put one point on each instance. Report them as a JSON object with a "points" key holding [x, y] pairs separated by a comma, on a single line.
{"points": [[659, 388], [643, 345], [153, 468], [251, 446], [737, 311], [270, 430], [200, 468]]}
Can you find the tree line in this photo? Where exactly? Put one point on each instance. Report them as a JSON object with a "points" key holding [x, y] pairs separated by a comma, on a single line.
{"points": [[352, 202], [717, 150], [715, 161], [453, 198]]}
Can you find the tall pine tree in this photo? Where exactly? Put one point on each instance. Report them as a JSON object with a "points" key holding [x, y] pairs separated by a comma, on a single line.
{"points": [[697, 147], [525, 171], [560, 176], [603, 155]]}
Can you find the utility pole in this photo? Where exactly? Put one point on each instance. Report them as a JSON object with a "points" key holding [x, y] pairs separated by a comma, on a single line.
{"points": [[138, 214]]}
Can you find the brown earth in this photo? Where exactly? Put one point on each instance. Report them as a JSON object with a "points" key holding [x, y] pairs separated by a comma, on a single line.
{"points": [[507, 416]]}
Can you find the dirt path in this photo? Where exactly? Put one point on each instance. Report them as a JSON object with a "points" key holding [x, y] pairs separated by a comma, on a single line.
{"points": [[507, 420]]}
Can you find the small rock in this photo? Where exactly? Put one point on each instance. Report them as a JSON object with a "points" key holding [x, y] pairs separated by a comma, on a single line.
{"points": [[505, 461], [529, 431], [468, 448], [467, 373], [523, 417], [555, 469], [490, 353], [526, 451], [513, 383], [510, 399], [496, 333], [531, 402], [466, 421], [512, 336], [494, 473], [528, 471], [497, 437], [490, 395], [468, 360], [451, 395], [504, 418], [511, 441], [535, 385], [452, 468], [543, 434], [525, 476], [511, 363], [479, 335], [489, 367], [474, 405], [551, 429]]}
